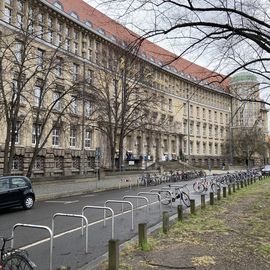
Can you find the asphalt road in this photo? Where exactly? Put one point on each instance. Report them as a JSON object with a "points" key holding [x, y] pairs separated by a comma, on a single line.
{"points": [[69, 244]]}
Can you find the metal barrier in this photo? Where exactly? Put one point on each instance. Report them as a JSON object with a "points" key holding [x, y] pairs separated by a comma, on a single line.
{"points": [[151, 194], [124, 202], [83, 218], [138, 197], [36, 227], [104, 209], [167, 191]]}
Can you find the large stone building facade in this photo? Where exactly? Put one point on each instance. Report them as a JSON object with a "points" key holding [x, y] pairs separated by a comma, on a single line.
{"points": [[198, 110]]}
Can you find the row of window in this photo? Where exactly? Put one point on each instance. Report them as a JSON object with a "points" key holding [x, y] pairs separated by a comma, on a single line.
{"points": [[57, 136], [219, 132], [213, 148], [202, 112], [55, 31], [39, 164]]}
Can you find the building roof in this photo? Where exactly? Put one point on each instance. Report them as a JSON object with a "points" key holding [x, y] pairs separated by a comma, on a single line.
{"points": [[244, 77], [113, 30]]}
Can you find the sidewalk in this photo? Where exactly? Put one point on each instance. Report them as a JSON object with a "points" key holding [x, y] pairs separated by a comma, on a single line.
{"points": [[51, 190], [64, 188]]}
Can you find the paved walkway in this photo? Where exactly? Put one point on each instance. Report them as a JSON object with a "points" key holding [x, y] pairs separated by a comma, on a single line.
{"points": [[57, 189]]}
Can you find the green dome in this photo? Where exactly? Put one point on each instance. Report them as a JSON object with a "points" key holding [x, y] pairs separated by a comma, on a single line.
{"points": [[244, 77]]}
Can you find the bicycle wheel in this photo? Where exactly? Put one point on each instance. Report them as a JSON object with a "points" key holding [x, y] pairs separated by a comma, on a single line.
{"points": [[215, 187], [198, 187], [185, 199], [165, 197], [17, 261]]}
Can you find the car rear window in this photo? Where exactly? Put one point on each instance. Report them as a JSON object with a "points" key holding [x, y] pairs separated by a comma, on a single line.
{"points": [[17, 182], [4, 184]]}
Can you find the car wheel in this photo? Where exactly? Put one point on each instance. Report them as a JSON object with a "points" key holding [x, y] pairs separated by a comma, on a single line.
{"points": [[28, 202]]}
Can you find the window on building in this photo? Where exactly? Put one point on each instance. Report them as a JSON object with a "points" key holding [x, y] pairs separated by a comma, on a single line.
{"points": [[50, 29], [57, 100], [204, 114], [198, 147], [41, 25], [216, 148], [39, 163], [210, 131], [210, 148], [40, 58], [8, 11], [59, 67], [18, 132], [75, 72], [73, 137], [90, 76], [204, 148], [17, 163], [185, 147], [191, 110], [36, 129], [198, 129], [8, 15], [87, 108], [191, 128], [170, 105], [74, 105], [197, 112], [56, 136], [88, 138], [216, 131], [19, 51], [204, 130], [37, 96], [191, 148], [221, 132]]}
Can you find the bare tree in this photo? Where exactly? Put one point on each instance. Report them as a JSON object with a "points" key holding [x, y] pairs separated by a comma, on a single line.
{"points": [[29, 80], [227, 36], [124, 102]]}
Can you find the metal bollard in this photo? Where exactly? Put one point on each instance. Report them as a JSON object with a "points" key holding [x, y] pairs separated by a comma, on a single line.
{"points": [[192, 207], [229, 190], [203, 201], [224, 192], [180, 212], [113, 254], [211, 198], [218, 194], [165, 219], [142, 235]]}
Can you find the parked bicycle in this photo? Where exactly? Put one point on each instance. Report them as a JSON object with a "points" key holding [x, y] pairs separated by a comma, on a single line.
{"points": [[14, 259], [172, 193]]}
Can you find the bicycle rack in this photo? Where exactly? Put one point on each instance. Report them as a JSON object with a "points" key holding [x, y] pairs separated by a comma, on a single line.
{"points": [[138, 197], [123, 202], [104, 208], [83, 218], [37, 227], [151, 194], [160, 190]]}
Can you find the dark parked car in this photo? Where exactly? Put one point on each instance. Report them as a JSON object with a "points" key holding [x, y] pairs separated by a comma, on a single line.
{"points": [[16, 191], [266, 170]]}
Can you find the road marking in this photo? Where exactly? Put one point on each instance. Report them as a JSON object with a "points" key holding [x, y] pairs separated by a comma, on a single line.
{"points": [[63, 202], [89, 195]]}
